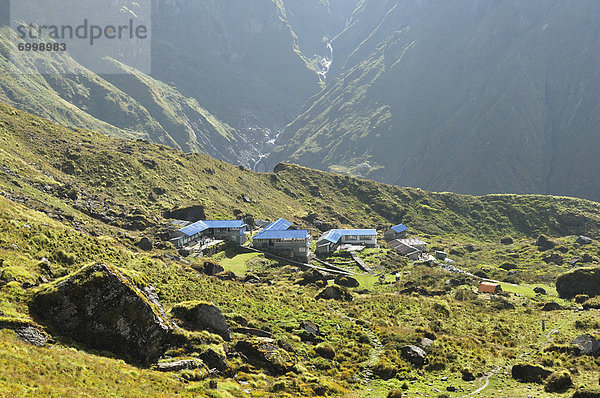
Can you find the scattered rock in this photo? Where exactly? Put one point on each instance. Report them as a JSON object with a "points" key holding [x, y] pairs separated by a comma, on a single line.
{"points": [[413, 354], [543, 243], [584, 240], [508, 266], [103, 307], [586, 344], [579, 281], [346, 281], [176, 366], [481, 274], [210, 268], [213, 360], [335, 293], [145, 244], [559, 382], [470, 248], [264, 354], [552, 306], [467, 375], [26, 331], [554, 258], [200, 315], [42, 279], [507, 240], [246, 199], [539, 290], [451, 389], [310, 327], [311, 277], [575, 261], [425, 343], [226, 276], [286, 346], [528, 373]]}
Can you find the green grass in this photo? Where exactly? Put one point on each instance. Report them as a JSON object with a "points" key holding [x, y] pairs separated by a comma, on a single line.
{"points": [[237, 263]]}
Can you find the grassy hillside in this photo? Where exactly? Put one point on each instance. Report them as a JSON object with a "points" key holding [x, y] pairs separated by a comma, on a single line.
{"points": [[476, 98], [71, 198]]}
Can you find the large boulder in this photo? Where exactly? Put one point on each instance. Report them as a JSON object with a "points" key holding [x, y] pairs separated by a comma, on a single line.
{"points": [[413, 354], [199, 315], [586, 345], [346, 281], [264, 353], [528, 373], [335, 293], [311, 277], [106, 308], [579, 281]]}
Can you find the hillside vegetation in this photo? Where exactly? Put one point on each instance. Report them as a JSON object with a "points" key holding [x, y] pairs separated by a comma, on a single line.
{"points": [[74, 198]]}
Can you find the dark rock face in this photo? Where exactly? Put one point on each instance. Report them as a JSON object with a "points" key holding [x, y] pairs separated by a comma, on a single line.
{"points": [[413, 354], [552, 306], [467, 375], [103, 308], [197, 315], [586, 394], [579, 281], [586, 344], [335, 293], [179, 365], [213, 360], [528, 373], [346, 281], [193, 213], [27, 332], [265, 354]]}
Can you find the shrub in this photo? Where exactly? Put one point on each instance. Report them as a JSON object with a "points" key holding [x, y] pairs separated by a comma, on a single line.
{"points": [[325, 350], [559, 381]]}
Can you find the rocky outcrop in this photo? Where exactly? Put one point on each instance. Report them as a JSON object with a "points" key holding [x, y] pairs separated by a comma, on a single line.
{"points": [[176, 366], [584, 240], [263, 353], [528, 373], [199, 315], [192, 212], [108, 309], [552, 306], [579, 281]]}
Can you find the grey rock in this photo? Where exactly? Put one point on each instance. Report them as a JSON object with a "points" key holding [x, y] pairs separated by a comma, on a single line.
{"points": [[103, 308], [335, 293], [554, 258], [586, 344], [413, 354], [310, 327], [198, 315], [25, 331], [145, 244], [176, 366], [265, 354]]}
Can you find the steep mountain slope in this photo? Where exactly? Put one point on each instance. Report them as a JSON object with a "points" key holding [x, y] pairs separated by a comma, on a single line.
{"points": [[473, 97], [73, 198]]}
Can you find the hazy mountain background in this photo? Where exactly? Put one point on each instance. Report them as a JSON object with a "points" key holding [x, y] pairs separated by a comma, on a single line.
{"points": [[473, 96]]}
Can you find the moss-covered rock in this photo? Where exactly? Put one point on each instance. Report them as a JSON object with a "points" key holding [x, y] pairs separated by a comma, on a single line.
{"points": [[579, 281], [200, 315], [263, 353], [529, 373], [106, 308]]}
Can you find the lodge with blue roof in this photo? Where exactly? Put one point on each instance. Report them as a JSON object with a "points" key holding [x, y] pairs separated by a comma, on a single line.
{"points": [[227, 230], [278, 238], [331, 240], [396, 232]]}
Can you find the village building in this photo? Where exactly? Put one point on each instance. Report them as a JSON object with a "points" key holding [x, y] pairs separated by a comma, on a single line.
{"points": [[492, 288], [411, 248], [396, 232], [227, 230], [335, 239], [278, 238]]}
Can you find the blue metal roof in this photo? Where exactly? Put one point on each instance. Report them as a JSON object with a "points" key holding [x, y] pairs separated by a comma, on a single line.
{"points": [[399, 228], [201, 226], [285, 234], [334, 235], [194, 228], [225, 223], [280, 225]]}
